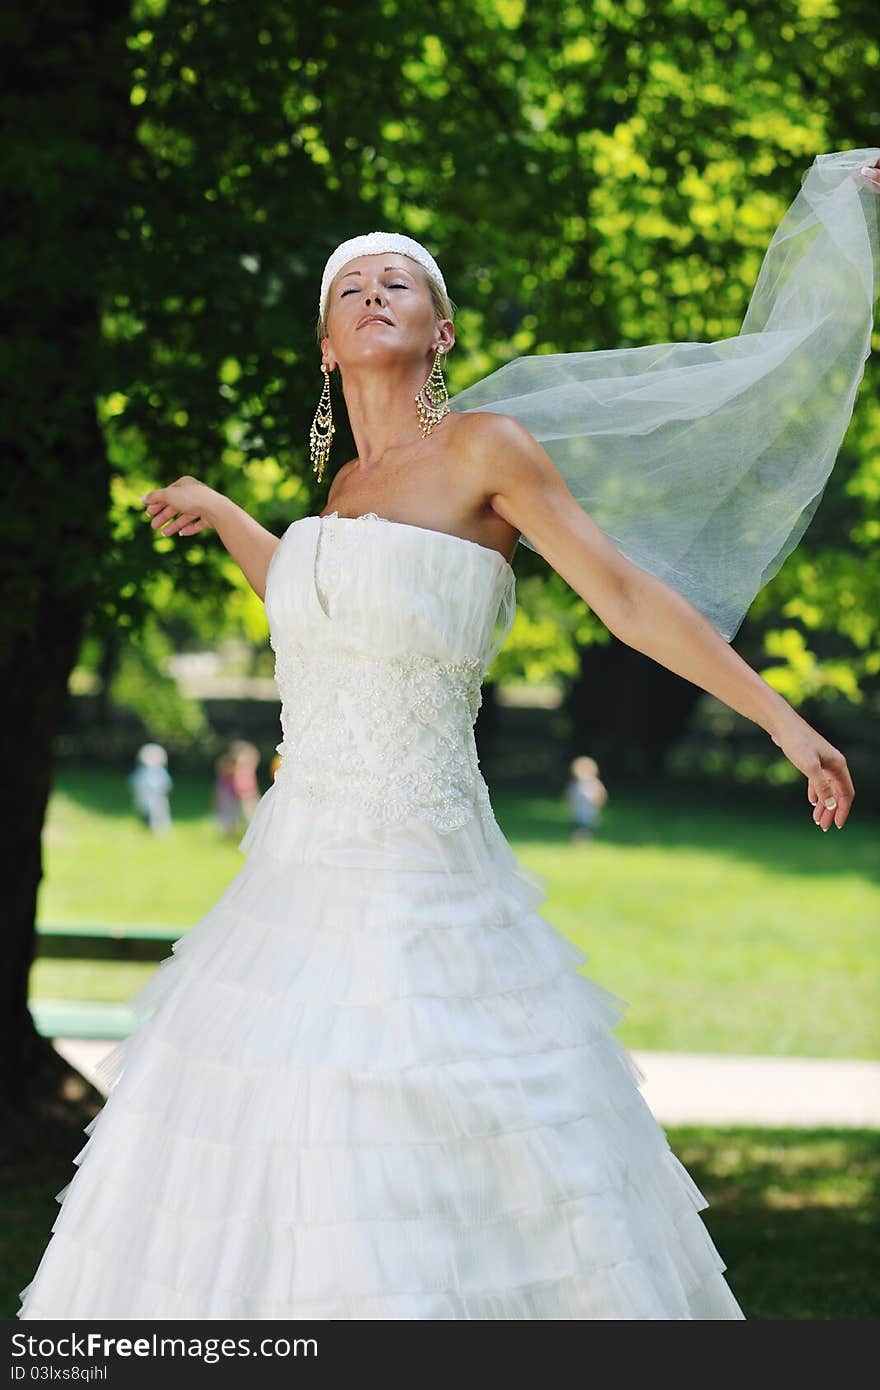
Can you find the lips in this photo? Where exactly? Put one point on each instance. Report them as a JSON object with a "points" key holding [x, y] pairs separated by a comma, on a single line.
{"points": [[375, 318]]}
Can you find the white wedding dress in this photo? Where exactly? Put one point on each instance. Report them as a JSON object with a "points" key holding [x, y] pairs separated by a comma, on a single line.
{"points": [[371, 1083]]}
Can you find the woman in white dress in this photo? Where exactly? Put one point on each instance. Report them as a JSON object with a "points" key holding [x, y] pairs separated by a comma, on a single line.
{"points": [[371, 1082]]}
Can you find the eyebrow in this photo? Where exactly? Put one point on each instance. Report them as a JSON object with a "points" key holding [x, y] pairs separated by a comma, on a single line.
{"points": [[388, 267]]}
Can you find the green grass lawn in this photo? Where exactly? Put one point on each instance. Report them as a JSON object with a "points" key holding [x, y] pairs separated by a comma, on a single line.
{"points": [[725, 929], [790, 1213], [793, 1214]]}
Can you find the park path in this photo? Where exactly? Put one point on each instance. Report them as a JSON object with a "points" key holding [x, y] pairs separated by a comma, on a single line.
{"points": [[684, 1088]]}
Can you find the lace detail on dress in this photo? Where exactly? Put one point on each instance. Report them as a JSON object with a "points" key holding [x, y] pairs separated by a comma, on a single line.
{"points": [[392, 736]]}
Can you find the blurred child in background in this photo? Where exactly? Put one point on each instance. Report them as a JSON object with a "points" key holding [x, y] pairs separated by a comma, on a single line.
{"points": [[236, 789], [246, 760], [150, 784], [586, 795], [225, 800]]}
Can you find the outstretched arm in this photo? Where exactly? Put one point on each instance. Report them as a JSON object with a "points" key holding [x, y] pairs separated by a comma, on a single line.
{"points": [[526, 488], [188, 507]]}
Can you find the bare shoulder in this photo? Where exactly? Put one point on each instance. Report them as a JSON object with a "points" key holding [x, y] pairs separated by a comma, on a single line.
{"points": [[522, 485], [506, 456], [488, 431]]}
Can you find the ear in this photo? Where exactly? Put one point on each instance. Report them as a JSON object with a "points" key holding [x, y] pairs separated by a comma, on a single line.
{"points": [[445, 334], [327, 353]]}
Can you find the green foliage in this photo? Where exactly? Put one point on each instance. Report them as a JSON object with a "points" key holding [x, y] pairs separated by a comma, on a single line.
{"points": [[592, 175], [551, 624], [144, 685], [644, 154]]}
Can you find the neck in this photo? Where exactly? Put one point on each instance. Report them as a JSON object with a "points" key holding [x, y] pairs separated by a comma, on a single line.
{"points": [[381, 408]]}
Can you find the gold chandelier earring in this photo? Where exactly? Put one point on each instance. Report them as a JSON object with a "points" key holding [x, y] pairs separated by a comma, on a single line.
{"points": [[323, 429], [432, 402]]}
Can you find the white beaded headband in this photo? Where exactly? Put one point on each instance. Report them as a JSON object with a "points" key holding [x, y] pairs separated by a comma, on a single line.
{"points": [[373, 244]]}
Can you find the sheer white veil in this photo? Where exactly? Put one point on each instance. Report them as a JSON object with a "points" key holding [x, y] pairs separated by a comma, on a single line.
{"points": [[704, 463]]}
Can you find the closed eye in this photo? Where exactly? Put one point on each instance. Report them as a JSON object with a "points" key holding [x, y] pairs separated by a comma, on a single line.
{"points": [[355, 289]]}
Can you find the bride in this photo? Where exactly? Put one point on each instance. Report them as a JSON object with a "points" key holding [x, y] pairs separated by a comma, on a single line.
{"points": [[371, 1082]]}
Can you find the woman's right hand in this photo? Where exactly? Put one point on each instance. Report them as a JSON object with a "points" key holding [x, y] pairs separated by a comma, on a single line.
{"points": [[185, 506]]}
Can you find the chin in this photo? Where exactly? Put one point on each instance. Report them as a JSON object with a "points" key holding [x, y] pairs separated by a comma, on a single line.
{"points": [[372, 351]]}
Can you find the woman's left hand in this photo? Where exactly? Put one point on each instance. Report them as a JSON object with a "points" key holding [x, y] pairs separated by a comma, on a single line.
{"points": [[870, 175], [829, 786]]}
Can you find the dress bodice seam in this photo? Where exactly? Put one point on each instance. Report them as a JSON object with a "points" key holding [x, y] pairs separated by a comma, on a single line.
{"points": [[426, 530]]}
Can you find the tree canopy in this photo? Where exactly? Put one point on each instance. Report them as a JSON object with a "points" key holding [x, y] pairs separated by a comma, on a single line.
{"points": [[589, 175]]}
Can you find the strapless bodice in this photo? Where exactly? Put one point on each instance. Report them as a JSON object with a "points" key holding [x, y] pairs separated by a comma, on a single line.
{"points": [[382, 634]]}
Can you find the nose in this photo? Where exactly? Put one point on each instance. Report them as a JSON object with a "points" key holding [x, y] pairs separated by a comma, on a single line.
{"points": [[375, 298]]}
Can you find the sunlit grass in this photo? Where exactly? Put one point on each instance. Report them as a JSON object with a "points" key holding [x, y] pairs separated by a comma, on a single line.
{"points": [[793, 1214], [724, 931]]}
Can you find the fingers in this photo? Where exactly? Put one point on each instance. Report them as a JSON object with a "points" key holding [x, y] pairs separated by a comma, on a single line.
{"points": [[870, 174], [823, 816], [164, 516], [179, 527], [831, 791]]}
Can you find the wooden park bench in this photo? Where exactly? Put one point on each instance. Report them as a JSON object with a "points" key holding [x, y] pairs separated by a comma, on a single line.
{"points": [[91, 1018]]}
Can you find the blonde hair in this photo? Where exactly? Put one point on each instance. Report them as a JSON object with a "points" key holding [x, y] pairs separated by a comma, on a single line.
{"points": [[444, 307]]}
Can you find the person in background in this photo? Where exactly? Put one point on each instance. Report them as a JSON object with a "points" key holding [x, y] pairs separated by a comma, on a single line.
{"points": [[236, 789], [151, 783], [245, 761], [586, 794], [226, 810]]}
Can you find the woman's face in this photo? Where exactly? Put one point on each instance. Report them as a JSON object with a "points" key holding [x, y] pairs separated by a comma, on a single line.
{"points": [[380, 305]]}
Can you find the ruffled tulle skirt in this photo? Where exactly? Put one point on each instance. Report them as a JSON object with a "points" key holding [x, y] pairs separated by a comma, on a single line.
{"points": [[371, 1083]]}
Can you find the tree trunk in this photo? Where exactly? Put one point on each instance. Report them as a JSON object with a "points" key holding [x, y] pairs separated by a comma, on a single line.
{"points": [[108, 665], [41, 1098], [66, 162]]}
